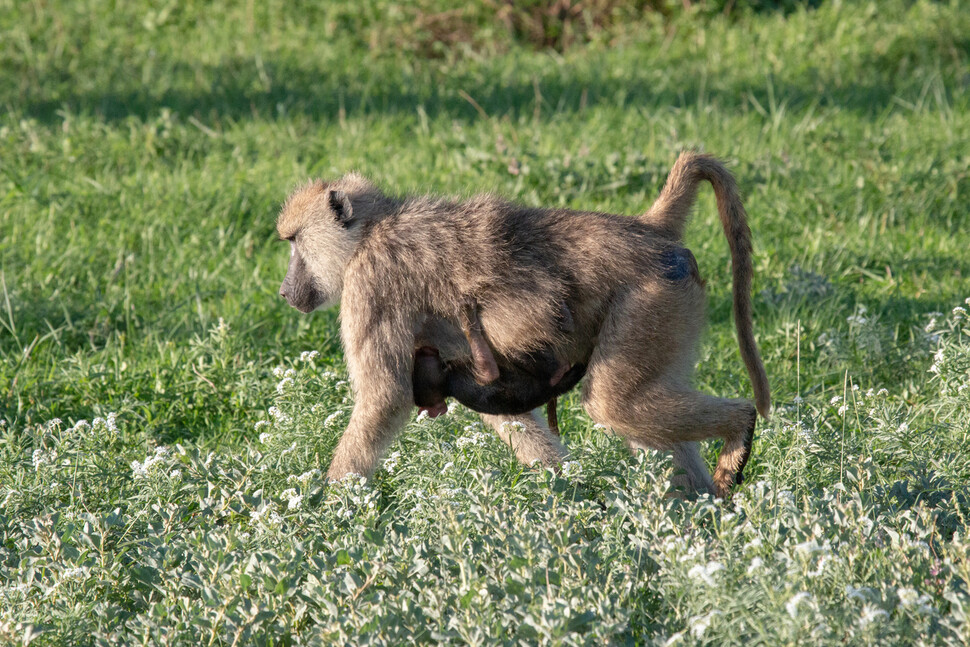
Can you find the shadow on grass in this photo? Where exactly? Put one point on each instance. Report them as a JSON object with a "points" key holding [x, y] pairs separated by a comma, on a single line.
{"points": [[235, 90]]}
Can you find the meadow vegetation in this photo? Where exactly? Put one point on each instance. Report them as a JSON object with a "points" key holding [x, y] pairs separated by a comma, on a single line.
{"points": [[166, 419]]}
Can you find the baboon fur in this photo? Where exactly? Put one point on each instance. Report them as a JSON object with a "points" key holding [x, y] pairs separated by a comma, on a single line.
{"points": [[402, 268]]}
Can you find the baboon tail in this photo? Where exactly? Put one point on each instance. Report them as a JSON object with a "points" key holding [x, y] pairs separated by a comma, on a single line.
{"points": [[670, 212]]}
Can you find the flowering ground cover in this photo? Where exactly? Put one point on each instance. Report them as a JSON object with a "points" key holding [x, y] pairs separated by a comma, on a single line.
{"points": [[166, 420]]}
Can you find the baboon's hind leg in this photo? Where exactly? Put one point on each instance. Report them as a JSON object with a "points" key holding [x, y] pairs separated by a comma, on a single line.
{"points": [[529, 438], [669, 418], [691, 473]]}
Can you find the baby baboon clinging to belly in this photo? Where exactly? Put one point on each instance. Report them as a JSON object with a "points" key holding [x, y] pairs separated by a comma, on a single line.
{"points": [[402, 268], [517, 387]]}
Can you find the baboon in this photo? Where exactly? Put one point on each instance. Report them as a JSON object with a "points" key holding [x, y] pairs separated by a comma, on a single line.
{"points": [[516, 388], [402, 268]]}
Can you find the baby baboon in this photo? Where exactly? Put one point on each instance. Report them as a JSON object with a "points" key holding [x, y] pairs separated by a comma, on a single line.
{"points": [[403, 268], [516, 388], [522, 385]]}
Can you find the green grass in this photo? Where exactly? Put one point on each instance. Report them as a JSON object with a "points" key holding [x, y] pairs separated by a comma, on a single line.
{"points": [[144, 150]]}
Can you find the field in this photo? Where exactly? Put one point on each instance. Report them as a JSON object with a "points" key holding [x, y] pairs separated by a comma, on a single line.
{"points": [[166, 418]]}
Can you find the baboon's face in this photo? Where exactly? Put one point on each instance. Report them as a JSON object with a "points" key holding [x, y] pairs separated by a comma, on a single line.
{"points": [[318, 222], [298, 287]]}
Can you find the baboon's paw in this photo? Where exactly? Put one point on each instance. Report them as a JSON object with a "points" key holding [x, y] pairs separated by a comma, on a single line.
{"points": [[746, 452]]}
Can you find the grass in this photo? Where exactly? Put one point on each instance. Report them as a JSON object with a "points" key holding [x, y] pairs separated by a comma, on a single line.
{"points": [[144, 150]]}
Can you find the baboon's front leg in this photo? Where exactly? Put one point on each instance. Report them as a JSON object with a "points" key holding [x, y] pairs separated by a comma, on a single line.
{"points": [[380, 359], [367, 436]]}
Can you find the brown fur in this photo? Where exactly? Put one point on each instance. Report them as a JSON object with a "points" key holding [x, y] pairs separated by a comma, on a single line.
{"points": [[403, 268]]}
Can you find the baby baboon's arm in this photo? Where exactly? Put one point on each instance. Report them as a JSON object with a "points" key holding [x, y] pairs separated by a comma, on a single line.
{"points": [[483, 361]]}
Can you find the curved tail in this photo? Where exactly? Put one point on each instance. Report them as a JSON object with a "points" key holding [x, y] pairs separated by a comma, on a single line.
{"points": [[669, 214]]}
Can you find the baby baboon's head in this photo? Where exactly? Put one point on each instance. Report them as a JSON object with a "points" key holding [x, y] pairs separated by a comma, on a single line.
{"points": [[319, 221]]}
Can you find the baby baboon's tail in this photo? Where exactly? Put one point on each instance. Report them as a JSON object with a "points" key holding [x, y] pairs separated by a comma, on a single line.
{"points": [[670, 212]]}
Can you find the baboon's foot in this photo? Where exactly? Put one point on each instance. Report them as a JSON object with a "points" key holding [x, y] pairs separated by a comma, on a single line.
{"points": [[734, 456], [746, 454]]}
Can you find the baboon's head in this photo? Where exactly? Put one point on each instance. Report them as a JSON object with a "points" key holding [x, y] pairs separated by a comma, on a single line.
{"points": [[320, 223]]}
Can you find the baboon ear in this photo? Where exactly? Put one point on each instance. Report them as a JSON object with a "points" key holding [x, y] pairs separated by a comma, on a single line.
{"points": [[343, 212]]}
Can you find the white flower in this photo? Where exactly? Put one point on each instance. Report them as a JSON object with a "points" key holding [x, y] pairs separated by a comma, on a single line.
{"points": [[843, 409], [265, 437], [475, 439], [572, 469], [792, 605], [260, 424], [785, 497], [699, 624], [705, 572], [755, 566], [278, 372], [54, 422], [447, 467], [835, 400], [282, 385], [279, 416], [422, 417], [73, 573], [911, 598], [333, 416], [41, 457], [870, 614], [390, 464], [304, 478], [175, 475], [266, 513], [797, 399]]}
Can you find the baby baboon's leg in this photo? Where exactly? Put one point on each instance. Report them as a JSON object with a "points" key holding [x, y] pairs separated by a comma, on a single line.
{"points": [[528, 437], [483, 361], [552, 416]]}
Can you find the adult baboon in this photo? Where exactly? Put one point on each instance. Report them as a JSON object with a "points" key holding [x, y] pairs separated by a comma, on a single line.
{"points": [[402, 269]]}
